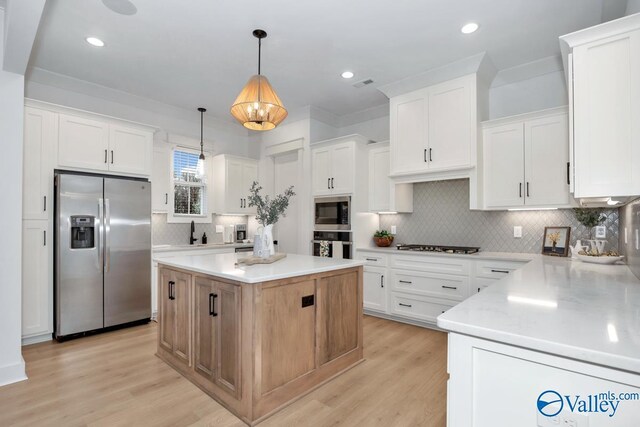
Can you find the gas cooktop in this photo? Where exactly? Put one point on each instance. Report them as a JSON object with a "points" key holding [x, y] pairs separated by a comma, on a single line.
{"points": [[439, 248]]}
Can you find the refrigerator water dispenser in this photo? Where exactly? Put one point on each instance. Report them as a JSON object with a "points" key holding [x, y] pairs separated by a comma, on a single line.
{"points": [[82, 232]]}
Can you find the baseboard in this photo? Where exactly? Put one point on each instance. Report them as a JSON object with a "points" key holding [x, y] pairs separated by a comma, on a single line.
{"points": [[12, 373], [35, 339], [408, 321]]}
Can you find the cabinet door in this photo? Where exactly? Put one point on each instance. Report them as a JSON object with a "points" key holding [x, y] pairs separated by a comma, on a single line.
{"points": [[321, 171], [166, 307], [182, 303], [130, 150], [606, 111], [374, 295], [235, 195], [546, 145], [451, 124], [504, 166], [342, 168], [37, 302], [83, 143], [160, 179], [249, 175], [379, 182], [40, 131], [227, 353], [409, 133], [205, 323]]}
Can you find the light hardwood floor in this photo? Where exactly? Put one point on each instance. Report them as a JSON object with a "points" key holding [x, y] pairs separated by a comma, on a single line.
{"points": [[114, 379]]}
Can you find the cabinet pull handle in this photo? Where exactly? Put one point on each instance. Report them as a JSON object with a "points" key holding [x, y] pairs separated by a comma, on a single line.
{"points": [[568, 173], [520, 189], [528, 189], [212, 305], [171, 283], [478, 289], [405, 281], [105, 156], [430, 157], [45, 237], [332, 183], [449, 287], [500, 271], [382, 281], [111, 156], [424, 155], [241, 203], [372, 259], [45, 203], [443, 311], [328, 183], [166, 198], [404, 305]]}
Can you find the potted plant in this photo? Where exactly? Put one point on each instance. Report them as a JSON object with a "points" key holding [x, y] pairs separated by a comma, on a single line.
{"points": [[268, 212], [383, 238], [589, 217]]}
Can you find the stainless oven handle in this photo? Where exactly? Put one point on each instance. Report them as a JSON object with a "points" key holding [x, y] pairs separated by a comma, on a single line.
{"points": [[331, 241]]}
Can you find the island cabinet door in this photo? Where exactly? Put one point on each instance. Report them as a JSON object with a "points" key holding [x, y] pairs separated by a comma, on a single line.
{"points": [[339, 315], [167, 313], [206, 320], [182, 328]]}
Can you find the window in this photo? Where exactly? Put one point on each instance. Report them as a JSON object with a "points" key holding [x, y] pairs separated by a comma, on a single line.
{"points": [[189, 190]]}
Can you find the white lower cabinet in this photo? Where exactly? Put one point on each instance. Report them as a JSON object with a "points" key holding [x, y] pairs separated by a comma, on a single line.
{"points": [[417, 307], [431, 284], [37, 279], [374, 294]]}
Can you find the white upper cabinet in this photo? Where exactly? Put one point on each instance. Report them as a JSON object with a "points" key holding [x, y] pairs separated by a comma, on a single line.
{"points": [[526, 161], [130, 150], [384, 194], [83, 143], [40, 129], [434, 130], [605, 63], [160, 178], [104, 146], [232, 179], [333, 169]]}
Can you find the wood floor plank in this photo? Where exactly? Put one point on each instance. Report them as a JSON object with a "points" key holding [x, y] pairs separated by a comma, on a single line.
{"points": [[115, 379]]}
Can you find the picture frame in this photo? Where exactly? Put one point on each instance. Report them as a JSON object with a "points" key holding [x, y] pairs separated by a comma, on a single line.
{"points": [[555, 241]]}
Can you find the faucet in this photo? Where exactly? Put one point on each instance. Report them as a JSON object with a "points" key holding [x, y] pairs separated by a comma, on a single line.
{"points": [[193, 230]]}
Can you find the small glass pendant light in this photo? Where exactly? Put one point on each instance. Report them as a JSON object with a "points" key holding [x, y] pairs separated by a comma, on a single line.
{"points": [[200, 167]]}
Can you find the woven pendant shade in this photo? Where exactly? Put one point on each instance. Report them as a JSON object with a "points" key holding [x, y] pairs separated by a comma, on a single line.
{"points": [[258, 107]]}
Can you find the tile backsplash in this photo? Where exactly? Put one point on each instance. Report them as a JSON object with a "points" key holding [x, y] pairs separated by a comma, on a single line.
{"points": [[164, 233], [630, 235], [441, 216]]}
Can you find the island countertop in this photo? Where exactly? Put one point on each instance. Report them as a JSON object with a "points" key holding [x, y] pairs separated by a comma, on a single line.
{"points": [[582, 311], [225, 266]]}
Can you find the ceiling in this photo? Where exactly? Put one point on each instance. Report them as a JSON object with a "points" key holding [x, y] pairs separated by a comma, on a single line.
{"points": [[201, 52]]}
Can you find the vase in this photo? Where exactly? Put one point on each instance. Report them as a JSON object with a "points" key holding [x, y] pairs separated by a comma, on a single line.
{"points": [[263, 242]]}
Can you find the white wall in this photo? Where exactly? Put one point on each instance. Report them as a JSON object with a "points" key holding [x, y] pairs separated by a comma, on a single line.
{"points": [[376, 129], [11, 126]]}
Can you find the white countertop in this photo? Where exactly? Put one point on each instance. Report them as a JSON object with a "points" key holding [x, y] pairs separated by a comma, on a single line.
{"points": [[496, 256], [583, 311], [224, 265], [169, 248]]}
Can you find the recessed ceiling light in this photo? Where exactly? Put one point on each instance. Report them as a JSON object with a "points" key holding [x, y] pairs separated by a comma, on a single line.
{"points": [[347, 75], [94, 41], [469, 28]]}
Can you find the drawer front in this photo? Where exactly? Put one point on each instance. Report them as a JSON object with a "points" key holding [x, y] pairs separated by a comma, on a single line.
{"points": [[418, 308], [373, 259], [431, 284], [433, 264], [480, 283], [496, 269]]}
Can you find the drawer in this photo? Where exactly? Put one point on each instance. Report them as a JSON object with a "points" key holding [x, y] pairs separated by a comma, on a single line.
{"points": [[496, 269], [479, 283], [373, 258], [431, 263], [431, 284], [418, 308]]}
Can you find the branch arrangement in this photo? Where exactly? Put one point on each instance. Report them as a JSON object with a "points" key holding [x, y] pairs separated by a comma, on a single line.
{"points": [[268, 211]]}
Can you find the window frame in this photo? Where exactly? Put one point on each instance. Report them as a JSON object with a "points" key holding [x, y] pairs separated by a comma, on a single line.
{"points": [[205, 216]]}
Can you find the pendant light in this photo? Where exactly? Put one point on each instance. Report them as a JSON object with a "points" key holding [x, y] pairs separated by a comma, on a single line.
{"points": [[200, 166], [258, 106]]}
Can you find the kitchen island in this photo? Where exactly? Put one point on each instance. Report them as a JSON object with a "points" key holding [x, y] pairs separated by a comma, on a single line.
{"points": [[256, 338], [555, 325]]}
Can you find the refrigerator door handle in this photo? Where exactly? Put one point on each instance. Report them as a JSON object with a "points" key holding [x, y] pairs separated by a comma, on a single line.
{"points": [[107, 229], [100, 235]]}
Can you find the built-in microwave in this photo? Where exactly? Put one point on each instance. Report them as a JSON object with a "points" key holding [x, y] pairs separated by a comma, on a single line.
{"points": [[333, 213]]}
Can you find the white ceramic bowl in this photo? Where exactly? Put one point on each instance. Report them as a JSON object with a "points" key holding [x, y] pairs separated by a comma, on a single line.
{"points": [[600, 259]]}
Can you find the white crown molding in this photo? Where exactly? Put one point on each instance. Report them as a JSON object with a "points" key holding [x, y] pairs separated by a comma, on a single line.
{"points": [[528, 70]]}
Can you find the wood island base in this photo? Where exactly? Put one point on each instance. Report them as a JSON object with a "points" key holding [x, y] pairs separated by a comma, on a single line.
{"points": [[257, 347]]}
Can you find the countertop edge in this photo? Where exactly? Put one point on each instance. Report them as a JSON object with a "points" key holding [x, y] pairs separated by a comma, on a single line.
{"points": [[484, 256]]}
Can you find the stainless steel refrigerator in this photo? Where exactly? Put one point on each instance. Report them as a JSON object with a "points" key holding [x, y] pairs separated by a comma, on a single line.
{"points": [[102, 252]]}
